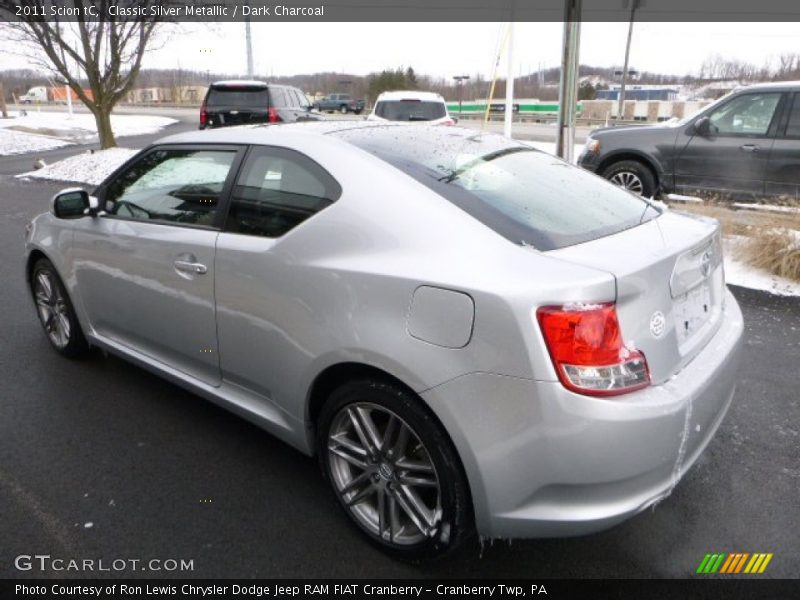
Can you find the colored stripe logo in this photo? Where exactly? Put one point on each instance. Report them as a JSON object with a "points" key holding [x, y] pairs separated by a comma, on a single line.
{"points": [[734, 562]]}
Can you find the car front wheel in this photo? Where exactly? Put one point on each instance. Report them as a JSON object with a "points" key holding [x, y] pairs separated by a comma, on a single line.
{"points": [[633, 176], [55, 311], [393, 470]]}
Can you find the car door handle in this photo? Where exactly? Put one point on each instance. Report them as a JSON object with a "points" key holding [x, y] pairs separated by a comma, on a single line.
{"points": [[191, 267], [749, 148]]}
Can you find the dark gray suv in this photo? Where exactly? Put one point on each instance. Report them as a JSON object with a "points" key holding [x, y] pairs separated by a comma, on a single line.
{"points": [[241, 102], [745, 144]]}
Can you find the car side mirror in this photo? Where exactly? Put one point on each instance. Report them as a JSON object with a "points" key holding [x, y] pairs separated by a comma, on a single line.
{"points": [[70, 203], [75, 202], [702, 126]]}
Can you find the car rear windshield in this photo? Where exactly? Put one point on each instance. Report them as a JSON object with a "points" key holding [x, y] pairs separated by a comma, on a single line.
{"points": [[240, 97], [409, 110], [529, 197]]}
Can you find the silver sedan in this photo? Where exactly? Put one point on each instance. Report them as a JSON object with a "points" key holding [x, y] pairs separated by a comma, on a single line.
{"points": [[472, 336]]}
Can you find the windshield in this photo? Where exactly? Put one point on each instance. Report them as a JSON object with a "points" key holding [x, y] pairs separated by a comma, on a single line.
{"points": [[410, 110], [528, 196], [238, 97]]}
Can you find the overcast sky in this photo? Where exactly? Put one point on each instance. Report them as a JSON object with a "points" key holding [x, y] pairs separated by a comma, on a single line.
{"points": [[447, 49]]}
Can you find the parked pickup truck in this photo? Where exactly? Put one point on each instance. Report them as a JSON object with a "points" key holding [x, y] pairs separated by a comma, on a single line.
{"points": [[342, 103]]}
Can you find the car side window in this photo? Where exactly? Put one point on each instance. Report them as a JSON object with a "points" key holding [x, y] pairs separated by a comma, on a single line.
{"points": [[278, 97], [749, 114], [303, 100], [181, 186], [793, 126], [277, 190]]}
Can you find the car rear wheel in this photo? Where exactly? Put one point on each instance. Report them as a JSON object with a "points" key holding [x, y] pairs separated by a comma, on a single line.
{"points": [[393, 470], [633, 176], [343, 109], [55, 311]]}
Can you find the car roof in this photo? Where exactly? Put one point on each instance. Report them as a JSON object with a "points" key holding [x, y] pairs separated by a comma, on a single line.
{"points": [[267, 134], [264, 134], [771, 85], [410, 95], [238, 82]]}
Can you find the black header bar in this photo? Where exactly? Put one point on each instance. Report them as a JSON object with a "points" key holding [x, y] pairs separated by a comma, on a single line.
{"points": [[401, 10]]}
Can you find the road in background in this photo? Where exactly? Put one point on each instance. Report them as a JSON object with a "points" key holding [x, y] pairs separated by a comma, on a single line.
{"points": [[101, 459]]}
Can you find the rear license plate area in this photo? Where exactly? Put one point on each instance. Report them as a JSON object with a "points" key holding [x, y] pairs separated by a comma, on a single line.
{"points": [[691, 311]]}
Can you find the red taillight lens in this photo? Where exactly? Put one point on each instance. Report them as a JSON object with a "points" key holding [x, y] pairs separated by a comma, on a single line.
{"points": [[273, 115], [586, 346], [203, 115]]}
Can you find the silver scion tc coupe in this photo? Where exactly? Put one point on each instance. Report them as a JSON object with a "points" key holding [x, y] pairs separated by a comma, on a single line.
{"points": [[472, 335]]}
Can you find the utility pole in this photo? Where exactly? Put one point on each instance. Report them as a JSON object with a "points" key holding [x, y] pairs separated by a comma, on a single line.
{"points": [[68, 90], [249, 42], [509, 112], [568, 88], [3, 109], [460, 79], [634, 5]]}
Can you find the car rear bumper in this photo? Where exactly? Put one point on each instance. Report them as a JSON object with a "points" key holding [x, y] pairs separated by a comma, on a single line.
{"points": [[542, 461]]}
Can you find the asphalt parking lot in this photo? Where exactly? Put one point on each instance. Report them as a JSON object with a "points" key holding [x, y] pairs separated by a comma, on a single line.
{"points": [[102, 460]]}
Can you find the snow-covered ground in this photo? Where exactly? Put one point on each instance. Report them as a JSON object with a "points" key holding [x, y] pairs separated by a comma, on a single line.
{"points": [[84, 168], [17, 142], [37, 131], [742, 274]]}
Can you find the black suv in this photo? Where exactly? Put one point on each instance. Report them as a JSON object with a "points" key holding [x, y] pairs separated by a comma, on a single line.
{"points": [[241, 102], [744, 144]]}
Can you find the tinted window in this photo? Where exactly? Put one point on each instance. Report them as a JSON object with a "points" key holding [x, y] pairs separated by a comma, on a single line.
{"points": [[277, 190], [525, 195], [278, 97], [237, 97], [793, 127], [749, 114], [410, 110], [301, 98], [179, 186]]}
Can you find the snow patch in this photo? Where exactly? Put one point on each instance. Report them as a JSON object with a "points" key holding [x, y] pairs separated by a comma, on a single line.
{"points": [[743, 275], [83, 168], [17, 142], [81, 127]]}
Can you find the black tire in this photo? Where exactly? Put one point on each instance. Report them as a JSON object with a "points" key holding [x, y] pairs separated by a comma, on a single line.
{"points": [[343, 109], [452, 526], [632, 170], [72, 344]]}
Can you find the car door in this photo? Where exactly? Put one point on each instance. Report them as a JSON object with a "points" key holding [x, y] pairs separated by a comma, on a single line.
{"points": [[145, 267], [732, 155], [783, 168], [265, 294]]}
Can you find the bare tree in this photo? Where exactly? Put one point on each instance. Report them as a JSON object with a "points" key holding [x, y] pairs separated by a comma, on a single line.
{"points": [[104, 50]]}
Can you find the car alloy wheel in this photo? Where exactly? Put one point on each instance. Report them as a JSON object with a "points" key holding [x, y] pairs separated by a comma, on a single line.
{"points": [[52, 308], [55, 311], [384, 474], [629, 181]]}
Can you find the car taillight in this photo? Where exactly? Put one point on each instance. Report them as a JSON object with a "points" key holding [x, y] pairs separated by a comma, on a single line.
{"points": [[273, 115], [203, 115], [585, 344]]}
